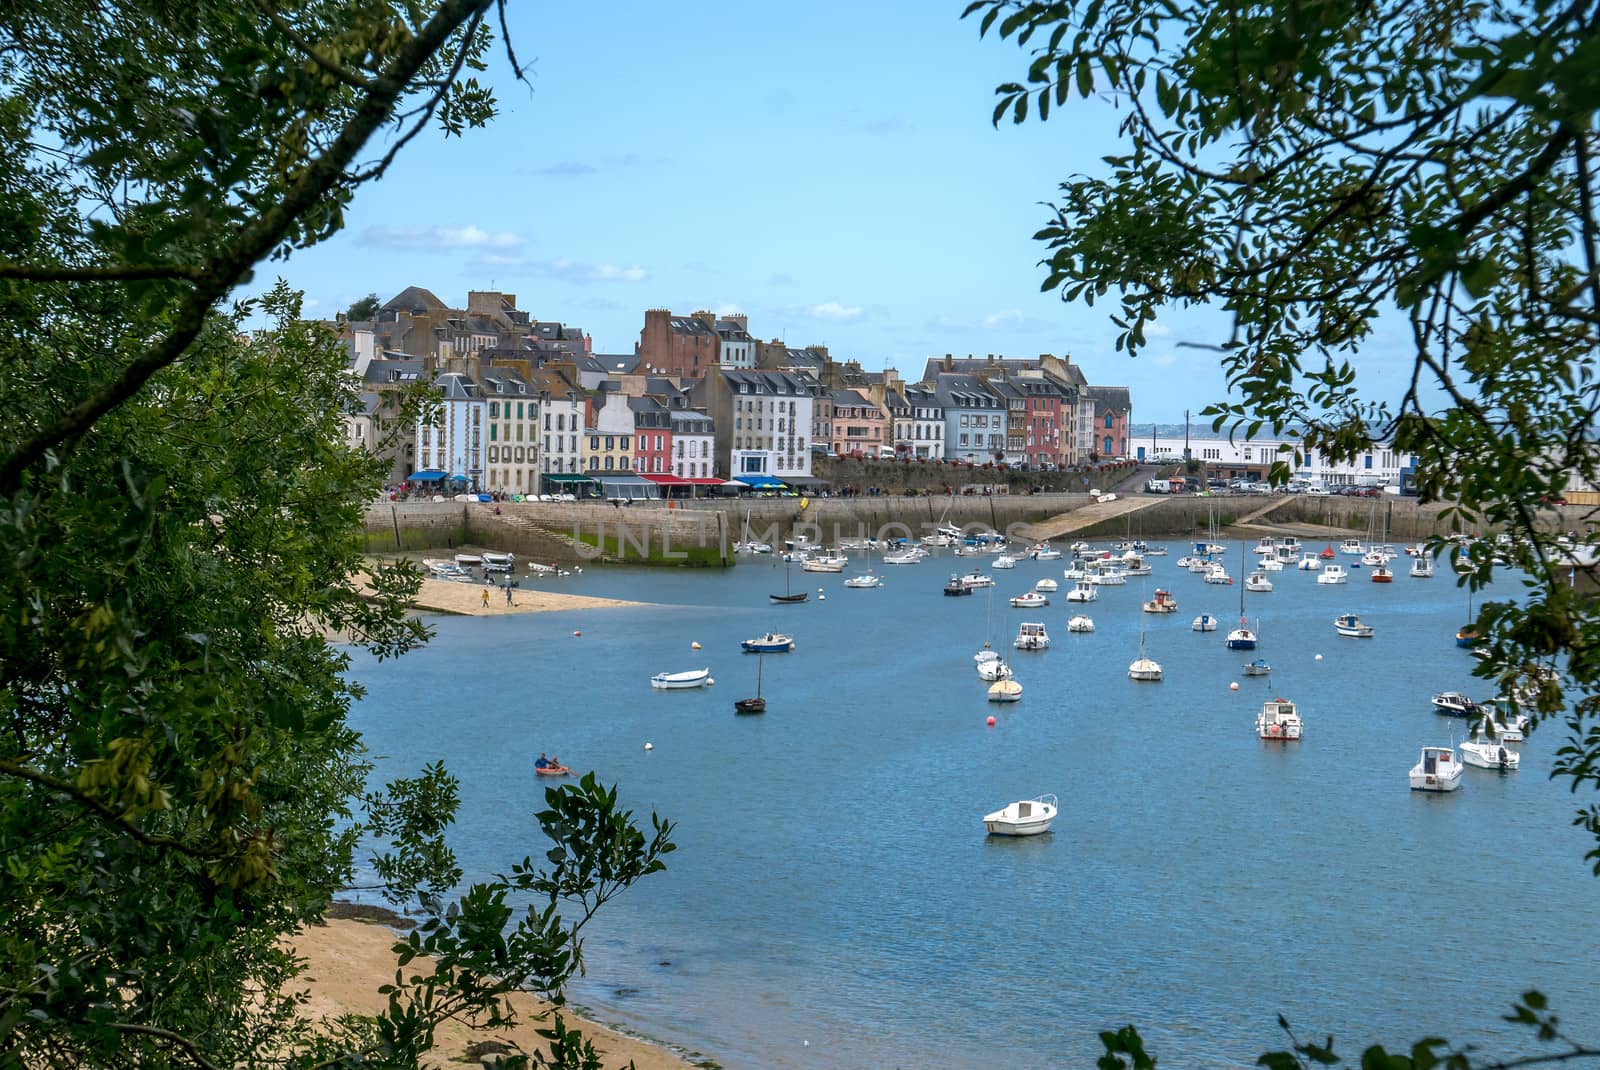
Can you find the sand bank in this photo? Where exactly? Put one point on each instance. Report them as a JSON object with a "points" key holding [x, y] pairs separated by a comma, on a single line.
{"points": [[447, 596], [348, 960]]}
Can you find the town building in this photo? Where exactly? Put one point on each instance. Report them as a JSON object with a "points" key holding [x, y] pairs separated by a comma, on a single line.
{"points": [[898, 412], [652, 436], [684, 346], [1045, 444], [974, 418], [927, 422], [738, 348], [512, 460], [859, 426], [1112, 410], [452, 443], [693, 445], [762, 422], [560, 420]]}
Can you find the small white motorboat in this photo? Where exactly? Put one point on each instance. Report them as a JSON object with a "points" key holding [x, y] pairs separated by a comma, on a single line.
{"points": [[1082, 591], [865, 581], [829, 563], [1258, 667], [678, 681], [1352, 547], [1080, 624], [1007, 690], [1309, 563], [1205, 622], [1047, 586], [1043, 552], [1437, 770], [1032, 636], [1134, 564], [990, 671], [1334, 574], [1271, 564], [1488, 753], [469, 560], [988, 653], [1350, 626], [1217, 573], [1257, 581], [1279, 721], [1026, 817], [976, 579], [497, 562], [1005, 561], [1422, 567], [905, 557], [1031, 600]]}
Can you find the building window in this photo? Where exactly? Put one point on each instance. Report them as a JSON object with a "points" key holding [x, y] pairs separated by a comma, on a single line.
{"points": [[492, 429], [1108, 424], [494, 409]]}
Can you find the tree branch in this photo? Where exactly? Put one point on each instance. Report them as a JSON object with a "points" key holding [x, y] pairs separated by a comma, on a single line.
{"points": [[342, 73], [252, 242], [189, 1047], [100, 273], [103, 810]]}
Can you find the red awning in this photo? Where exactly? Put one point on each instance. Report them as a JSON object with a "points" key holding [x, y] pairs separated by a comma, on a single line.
{"points": [[707, 482], [667, 481]]}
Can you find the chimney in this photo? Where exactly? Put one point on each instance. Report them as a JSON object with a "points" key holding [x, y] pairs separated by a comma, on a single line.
{"points": [[949, 363], [707, 318], [991, 358]]}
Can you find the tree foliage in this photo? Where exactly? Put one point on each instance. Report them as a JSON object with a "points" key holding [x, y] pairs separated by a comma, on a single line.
{"points": [[364, 309], [1320, 168], [179, 512]]}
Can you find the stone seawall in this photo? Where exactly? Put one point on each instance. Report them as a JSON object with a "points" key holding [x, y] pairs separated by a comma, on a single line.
{"points": [[702, 533]]}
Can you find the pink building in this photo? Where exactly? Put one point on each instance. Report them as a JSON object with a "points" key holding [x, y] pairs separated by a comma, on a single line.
{"points": [[859, 426], [1112, 410]]}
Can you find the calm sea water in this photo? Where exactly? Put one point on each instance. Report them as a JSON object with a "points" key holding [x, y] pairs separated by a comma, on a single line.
{"points": [[834, 902]]}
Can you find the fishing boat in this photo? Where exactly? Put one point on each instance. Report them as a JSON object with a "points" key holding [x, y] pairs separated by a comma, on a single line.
{"points": [[975, 579], [1352, 547], [1422, 567], [1005, 561], [1218, 573], [1044, 552], [1334, 573], [1349, 625], [1257, 581], [1437, 770], [1080, 624], [825, 562], [1030, 600], [1279, 721], [758, 704], [681, 681], [913, 556], [1163, 602], [955, 588], [1032, 636], [771, 643], [1380, 573], [1082, 591], [1026, 817], [1258, 667], [1047, 586], [1134, 564], [1007, 690], [1205, 622], [1309, 563], [1271, 564]]}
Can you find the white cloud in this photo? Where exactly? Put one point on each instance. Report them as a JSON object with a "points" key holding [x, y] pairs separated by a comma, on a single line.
{"points": [[439, 239], [1157, 330], [833, 310], [1009, 318], [728, 310], [578, 271]]}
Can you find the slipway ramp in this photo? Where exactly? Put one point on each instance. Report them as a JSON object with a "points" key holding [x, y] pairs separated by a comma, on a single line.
{"points": [[1064, 524]]}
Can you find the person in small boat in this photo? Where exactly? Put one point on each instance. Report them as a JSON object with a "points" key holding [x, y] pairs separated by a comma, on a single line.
{"points": [[542, 763], [555, 763]]}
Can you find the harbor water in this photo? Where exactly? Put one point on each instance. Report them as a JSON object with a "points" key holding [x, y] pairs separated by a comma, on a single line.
{"points": [[834, 902]]}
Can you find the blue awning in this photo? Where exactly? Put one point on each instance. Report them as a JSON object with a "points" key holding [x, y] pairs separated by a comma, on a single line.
{"points": [[427, 475], [761, 481]]}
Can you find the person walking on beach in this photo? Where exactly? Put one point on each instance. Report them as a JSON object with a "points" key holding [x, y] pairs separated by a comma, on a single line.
{"points": [[508, 592], [485, 599]]}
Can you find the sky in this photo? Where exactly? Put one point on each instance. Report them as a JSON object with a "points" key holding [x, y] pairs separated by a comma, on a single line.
{"points": [[828, 169]]}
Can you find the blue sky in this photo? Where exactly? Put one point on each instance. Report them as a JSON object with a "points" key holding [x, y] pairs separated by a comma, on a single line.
{"points": [[829, 169]]}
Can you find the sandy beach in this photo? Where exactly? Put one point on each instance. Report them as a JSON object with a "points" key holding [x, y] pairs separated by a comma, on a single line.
{"points": [[447, 596], [348, 960]]}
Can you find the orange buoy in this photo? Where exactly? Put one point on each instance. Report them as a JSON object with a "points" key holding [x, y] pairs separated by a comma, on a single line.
{"points": [[990, 722], [576, 634]]}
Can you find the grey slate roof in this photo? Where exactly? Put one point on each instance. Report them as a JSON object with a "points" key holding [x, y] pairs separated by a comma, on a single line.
{"points": [[1109, 398], [457, 387], [957, 391], [389, 370], [509, 381], [413, 299], [775, 382], [618, 363]]}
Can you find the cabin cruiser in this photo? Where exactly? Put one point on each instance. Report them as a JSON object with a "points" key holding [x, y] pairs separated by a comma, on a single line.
{"points": [[1031, 600], [1486, 753], [1082, 591], [1309, 563], [1334, 574], [1258, 582], [1437, 770], [1032, 636], [1163, 602], [1350, 626], [1279, 721]]}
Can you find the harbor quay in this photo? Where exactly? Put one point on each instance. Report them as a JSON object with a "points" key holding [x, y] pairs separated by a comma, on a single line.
{"points": [[705, 533]]}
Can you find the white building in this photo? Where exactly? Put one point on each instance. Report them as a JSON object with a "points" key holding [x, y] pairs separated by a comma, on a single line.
{"points": [[762, 421], [453, 442], [1379, 465], [693, 445], [927, 422], [738, 349], [560, 424]]}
